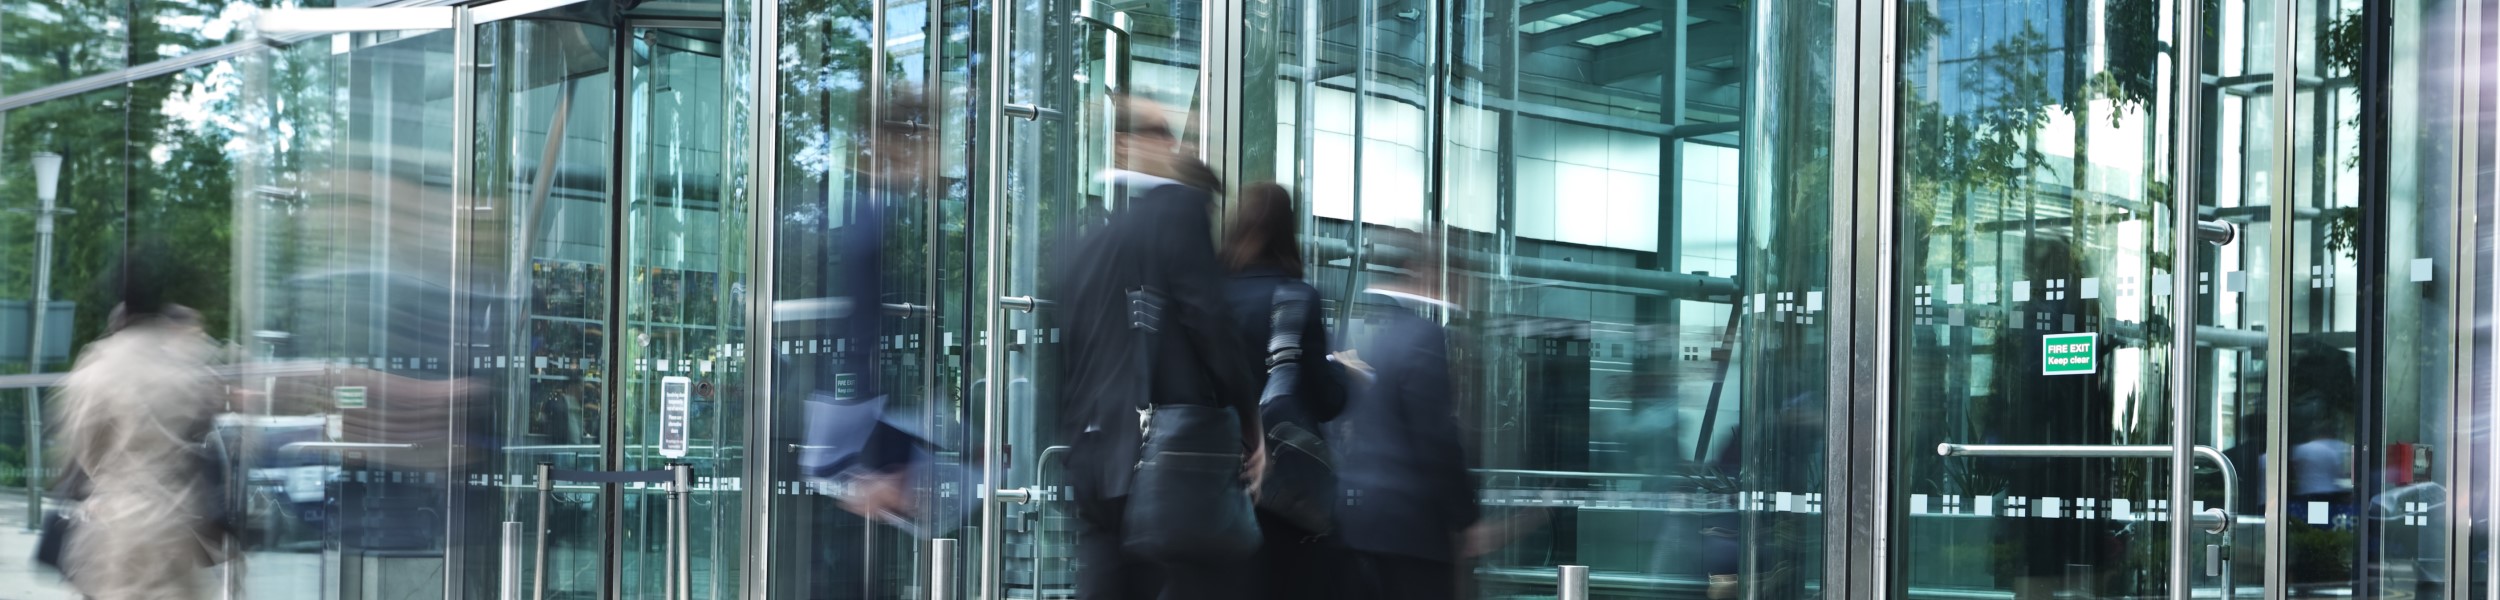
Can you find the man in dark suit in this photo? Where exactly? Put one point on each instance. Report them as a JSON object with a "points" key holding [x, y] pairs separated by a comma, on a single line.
{"points": [[1408, 496], [1158, 235]]}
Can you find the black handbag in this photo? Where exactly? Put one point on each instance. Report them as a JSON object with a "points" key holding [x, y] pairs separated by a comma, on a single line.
{"points": [[52, 541], [1186, 501], [1301, 481]]}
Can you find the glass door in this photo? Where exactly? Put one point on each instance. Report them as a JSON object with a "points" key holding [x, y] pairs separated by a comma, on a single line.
{"points": [[684, 383], [1054, 137], [524, 347], [621, 260], [347, 421], [2058, 435], [546, 197], [870, 295]]}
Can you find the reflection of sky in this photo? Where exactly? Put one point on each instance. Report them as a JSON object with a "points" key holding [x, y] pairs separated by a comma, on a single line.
{"points": [[1974, 27]]}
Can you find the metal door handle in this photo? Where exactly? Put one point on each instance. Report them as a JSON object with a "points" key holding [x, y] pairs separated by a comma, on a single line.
{"points": [[1022, 303], [2230, 479], [1031, 112], [1014, 495]]}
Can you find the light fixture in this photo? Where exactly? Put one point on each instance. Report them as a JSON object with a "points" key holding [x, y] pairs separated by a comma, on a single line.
{"points": [[47, 176]]}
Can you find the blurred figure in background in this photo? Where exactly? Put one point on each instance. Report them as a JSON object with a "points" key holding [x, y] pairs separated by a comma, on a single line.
{"points": [[132, 416], [1158, 236], [872, 464], [1281, 326], [1409, 499]]}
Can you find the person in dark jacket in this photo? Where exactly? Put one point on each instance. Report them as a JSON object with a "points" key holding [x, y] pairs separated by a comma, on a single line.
{"points": [[1262, 248], [1158, 235], [851, 446], [1409, 499]]}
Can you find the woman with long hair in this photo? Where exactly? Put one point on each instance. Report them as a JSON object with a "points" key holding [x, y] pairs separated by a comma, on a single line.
{"points": [[1301, 390]]}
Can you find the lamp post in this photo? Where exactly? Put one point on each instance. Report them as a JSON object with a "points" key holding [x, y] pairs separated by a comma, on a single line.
{"points": [[47, 188]]}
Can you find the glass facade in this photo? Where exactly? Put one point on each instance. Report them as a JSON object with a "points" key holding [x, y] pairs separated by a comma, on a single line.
{"points": [[755, 299]]}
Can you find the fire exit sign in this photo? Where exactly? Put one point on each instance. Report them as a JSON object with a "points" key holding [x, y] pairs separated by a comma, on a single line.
{"points": [[2068, 354]]}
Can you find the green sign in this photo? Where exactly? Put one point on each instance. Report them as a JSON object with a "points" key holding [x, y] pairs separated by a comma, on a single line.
{"points": [[2068, 354], [845, 386], [351, 396]]}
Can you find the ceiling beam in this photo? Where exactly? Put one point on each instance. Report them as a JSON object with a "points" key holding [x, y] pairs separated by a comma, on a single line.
{"points": [[1646, 55], [1554, 8], [1574, 32], [1387, 9]]}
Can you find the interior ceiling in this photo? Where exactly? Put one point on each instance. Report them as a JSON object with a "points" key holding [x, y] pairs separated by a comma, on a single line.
{"points": [[1601, 52]]}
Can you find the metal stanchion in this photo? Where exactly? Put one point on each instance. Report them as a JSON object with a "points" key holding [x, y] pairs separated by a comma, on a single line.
{"points": [[1573, 584], [538, 576], [942, 569], [683, 488], [509, 581]]}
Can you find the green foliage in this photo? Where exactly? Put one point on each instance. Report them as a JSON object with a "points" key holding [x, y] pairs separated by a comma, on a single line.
{"points": [[138, 160], [2321, 554]]}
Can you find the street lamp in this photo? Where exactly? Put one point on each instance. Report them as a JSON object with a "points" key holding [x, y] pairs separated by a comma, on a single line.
{"points": [[47, 191]]}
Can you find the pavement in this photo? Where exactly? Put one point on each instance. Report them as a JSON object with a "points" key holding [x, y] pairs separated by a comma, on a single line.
{"points": [[20, 577], [268, 575]]}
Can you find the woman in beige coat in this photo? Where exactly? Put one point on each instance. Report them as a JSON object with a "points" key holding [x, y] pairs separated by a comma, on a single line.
{"points": [[131, 415]]}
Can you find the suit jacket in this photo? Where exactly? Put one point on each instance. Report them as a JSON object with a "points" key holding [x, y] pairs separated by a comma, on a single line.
{"points": [[1399, 454], [1159, 238]]}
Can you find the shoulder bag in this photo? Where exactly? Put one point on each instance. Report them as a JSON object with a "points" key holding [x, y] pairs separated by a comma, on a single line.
{"points": [[1186, 501], [1301, 481]]}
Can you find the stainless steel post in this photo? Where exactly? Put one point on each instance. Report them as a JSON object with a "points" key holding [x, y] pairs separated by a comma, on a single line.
{"points": [[48, 207], [1573, 584], [684, 490], [942, 569], [508, 582], [538, 575], [2185, 164], [993, 314]]}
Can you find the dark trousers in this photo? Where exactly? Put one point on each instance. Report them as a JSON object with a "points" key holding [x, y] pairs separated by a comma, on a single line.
{"points": [[1395, 577], [1296, 565], [1105, 572]]}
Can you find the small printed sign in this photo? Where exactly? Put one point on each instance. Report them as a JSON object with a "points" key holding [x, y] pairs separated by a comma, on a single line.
{"points": [[845, 387], [675, 412], [2068, 354], [349, 396]]}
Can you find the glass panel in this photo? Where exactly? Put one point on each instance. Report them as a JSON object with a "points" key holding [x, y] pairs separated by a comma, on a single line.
{"points": [[871, 295], [83, 247], [685, 247], [2035, 253], [347, 270], [1058, 186], [1588, 189], [2370, 308], [2405, 455], [547, 122]]}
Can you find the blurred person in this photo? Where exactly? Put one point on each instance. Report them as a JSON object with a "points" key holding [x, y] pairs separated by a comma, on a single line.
{"points": [[1157, 236], [134, 414], [873, 466], [1300, 557], [1410, 501]]}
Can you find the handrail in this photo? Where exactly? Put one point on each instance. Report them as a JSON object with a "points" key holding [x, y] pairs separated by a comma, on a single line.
{"points": [[226, 372], [2220, 517]]}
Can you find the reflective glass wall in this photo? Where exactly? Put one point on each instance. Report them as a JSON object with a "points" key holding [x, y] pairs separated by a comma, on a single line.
{"points": [[1628, 205]]}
